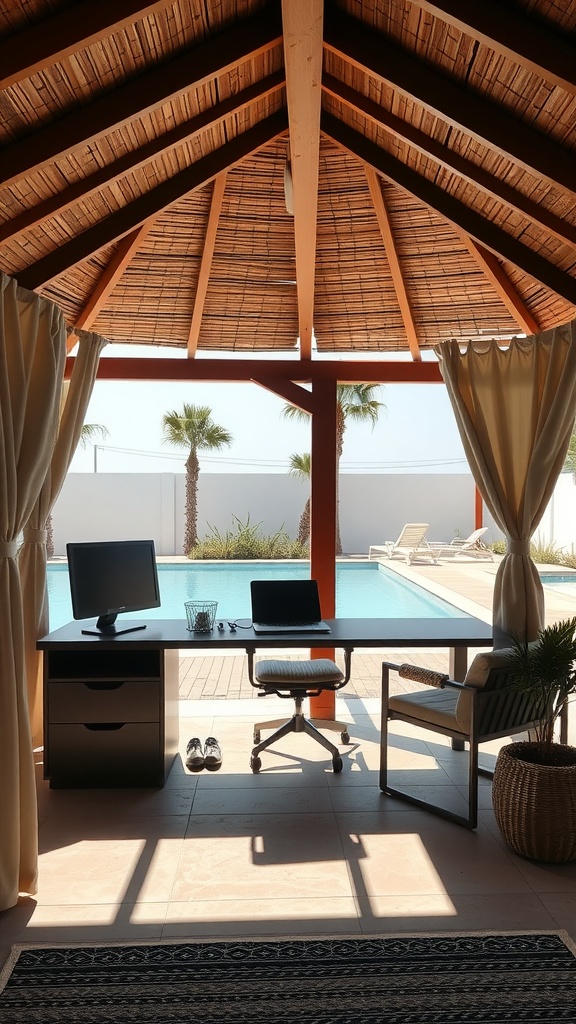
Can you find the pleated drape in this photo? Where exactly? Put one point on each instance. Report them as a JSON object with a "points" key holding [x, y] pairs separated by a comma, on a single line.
{"points": [[32, 357], [32, 556], [515, 409]]}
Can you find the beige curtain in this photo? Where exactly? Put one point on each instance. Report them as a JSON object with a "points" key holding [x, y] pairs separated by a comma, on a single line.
{"points": [[32, 356], [515, 409], [32, 556]]}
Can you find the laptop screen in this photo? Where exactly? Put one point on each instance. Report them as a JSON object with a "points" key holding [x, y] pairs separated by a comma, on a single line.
{"points": [[285, 601]]}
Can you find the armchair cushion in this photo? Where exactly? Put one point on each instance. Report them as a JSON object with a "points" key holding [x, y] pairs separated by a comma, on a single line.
{"points": [[482, 665], [446, 707], [438, 707]]}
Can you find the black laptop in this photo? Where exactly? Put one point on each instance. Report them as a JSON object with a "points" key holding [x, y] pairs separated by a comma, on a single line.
{"points": [[286, 606]]}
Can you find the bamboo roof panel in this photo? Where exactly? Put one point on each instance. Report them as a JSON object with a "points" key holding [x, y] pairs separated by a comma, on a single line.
{"points": [[247, 295]]}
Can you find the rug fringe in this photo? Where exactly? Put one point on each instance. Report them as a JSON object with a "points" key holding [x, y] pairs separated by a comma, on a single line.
{"points": [[18, 948]]}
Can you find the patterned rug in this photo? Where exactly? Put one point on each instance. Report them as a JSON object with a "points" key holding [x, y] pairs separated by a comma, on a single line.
{"points": [[479, 978]]}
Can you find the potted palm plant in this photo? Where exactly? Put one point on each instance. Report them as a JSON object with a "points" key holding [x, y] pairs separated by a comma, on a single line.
{"points": [[534, 786]]}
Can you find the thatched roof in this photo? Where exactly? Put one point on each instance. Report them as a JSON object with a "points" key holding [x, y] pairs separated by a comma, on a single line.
{"points": [[427, 150]]}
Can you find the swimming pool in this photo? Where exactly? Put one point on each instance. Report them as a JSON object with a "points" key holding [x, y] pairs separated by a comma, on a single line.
{"points": [[564, 582], [363, 589]]}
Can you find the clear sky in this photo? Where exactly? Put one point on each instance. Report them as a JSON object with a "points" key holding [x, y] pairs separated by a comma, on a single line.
{"points": [[416, 431]]}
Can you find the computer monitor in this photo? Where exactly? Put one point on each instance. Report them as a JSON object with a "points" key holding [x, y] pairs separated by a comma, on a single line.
{"points": [[109, 577]]}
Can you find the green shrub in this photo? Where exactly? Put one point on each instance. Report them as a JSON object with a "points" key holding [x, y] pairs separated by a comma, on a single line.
{"points": [[244, 541], [542, 552], [546, 554], [499, 547]]}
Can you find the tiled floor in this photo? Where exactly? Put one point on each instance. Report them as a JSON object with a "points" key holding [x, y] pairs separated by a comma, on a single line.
{"points": [[295, 850]]}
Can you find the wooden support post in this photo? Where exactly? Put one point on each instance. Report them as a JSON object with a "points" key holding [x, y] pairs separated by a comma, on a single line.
{"points": [[323, 491], [478, 509]]}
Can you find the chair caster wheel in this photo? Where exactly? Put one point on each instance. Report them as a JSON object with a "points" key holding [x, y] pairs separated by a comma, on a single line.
{"points": [[256, 736], [337, 764], [345, 736], [255, 764]]}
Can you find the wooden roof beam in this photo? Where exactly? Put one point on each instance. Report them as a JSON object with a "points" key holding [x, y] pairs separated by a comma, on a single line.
{"points": [[496, 274], [263, 371], [153, 202], [206, 262], [75, 27], [140, 95], [302, 23], [482, 230], [531, 44], [374, 54], [452, 161], [385, 226], [292, 393], [85, 187]]}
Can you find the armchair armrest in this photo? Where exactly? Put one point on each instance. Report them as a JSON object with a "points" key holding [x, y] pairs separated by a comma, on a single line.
{"points": [[427, 676], [424, 675]]}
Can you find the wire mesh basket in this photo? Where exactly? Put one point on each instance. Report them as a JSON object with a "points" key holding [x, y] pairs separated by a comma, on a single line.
{"points": [[201, 615]]}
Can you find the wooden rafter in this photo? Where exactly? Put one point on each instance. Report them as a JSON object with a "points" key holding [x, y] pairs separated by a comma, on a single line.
{"points": [[106, 175], [385, 226], [495, 272], [149, 91], [375, 55], [482, 230], [50, 40], [446, 157], [532, 44], [206, 263], [302, 23], [127, 247], [153, 202]]}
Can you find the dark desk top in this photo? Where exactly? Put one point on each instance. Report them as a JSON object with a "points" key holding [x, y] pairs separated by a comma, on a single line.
{"points": [[164, 633]]}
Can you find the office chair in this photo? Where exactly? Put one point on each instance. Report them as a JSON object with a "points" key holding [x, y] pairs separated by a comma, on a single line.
{"points": [[297, 680]]}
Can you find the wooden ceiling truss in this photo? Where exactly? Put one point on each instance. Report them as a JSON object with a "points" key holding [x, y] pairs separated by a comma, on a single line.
{"points": [[414, 92]]}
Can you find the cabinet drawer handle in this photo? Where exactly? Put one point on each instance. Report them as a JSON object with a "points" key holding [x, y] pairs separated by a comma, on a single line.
{"points": [[94, 726], [104, 685]]}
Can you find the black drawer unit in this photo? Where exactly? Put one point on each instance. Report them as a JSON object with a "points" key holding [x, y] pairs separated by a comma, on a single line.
{"points": [[110, 717]]}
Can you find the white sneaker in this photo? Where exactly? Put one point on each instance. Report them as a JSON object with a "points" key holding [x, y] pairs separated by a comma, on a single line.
{"points": [[212, 754], [194, 755]]}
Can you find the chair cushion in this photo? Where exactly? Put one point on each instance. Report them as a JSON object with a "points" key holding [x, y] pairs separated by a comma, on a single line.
{"points": [[315, 672], [450, 708], [482, 664], [437, 707]]}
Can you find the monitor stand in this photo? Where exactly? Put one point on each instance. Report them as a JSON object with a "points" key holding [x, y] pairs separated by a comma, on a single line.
{"points": [[106, 627], [112, 632]]}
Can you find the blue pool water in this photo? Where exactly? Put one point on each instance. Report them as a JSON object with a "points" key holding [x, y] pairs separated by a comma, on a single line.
{"points": [[363, 589], [566, 583]]}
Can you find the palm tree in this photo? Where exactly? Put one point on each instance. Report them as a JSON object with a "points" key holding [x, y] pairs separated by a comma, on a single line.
{"points": [[355, 402], [193, 430], [300, 466], [88, 432]]}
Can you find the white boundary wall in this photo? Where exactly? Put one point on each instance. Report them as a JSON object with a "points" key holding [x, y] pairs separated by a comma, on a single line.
{"points": [[373, 507]]}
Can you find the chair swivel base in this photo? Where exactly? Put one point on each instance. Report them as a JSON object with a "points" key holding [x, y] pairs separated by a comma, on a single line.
{"points": [[298, 723]]}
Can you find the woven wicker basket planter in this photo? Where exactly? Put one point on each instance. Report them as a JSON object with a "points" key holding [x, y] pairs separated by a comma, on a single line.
{"points": [[535, 804]]}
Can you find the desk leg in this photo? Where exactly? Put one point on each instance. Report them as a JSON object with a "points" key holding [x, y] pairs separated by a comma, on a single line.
{"points": [[458, 663], [457, 666]]}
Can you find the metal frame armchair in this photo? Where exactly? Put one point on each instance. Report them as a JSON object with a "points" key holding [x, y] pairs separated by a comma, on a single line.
{"points": [[486, 706]]}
